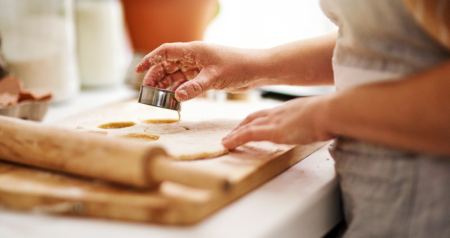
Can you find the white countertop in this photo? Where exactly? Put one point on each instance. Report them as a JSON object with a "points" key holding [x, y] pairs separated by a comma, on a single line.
{"points": [[301, 202]]}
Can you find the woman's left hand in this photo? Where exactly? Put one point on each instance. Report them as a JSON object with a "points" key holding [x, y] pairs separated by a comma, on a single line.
{"points": [[299, 121]]}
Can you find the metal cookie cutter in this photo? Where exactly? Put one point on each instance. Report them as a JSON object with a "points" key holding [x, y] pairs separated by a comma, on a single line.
{"points": [[159, 98]]}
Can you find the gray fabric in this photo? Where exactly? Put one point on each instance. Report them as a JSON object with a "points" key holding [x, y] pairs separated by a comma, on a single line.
{"points": [[381, 35], [392, 193], [388, 192]]}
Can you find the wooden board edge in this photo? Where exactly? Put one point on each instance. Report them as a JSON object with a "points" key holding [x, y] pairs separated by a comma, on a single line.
{"points": [[268, 171]]}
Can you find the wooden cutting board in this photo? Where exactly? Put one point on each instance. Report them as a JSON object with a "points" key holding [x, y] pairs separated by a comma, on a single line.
{"points": [[245, 168]]}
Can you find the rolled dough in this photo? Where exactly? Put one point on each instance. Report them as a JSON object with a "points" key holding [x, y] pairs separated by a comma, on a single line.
{"points": [[184, 141], [197, 136]]}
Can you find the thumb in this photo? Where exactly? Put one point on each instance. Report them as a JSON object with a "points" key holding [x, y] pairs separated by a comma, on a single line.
{"points": [[192, 88]]}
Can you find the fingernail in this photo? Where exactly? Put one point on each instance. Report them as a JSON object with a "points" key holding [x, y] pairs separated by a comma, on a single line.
{"points": [[225, 143], [229, 135], [182, 95], [228, 142]]}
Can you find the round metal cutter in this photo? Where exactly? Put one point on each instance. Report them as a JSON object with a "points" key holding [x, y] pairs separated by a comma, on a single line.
{"points": [[159, 98]]}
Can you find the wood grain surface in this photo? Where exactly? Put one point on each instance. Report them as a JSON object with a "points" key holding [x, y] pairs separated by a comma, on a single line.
{"points": [[89, 194]]}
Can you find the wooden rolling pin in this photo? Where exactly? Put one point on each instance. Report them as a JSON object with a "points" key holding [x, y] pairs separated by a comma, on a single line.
{"points": [[95, 156]]}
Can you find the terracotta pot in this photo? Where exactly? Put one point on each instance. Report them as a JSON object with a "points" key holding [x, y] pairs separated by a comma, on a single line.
{"points": [[154, 22]]}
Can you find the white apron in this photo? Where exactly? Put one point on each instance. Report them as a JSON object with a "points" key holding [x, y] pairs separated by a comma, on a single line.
{"points": [[386, 192]]}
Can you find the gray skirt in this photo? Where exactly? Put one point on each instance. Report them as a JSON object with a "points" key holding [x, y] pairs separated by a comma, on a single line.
{"points": [[392, 193]]}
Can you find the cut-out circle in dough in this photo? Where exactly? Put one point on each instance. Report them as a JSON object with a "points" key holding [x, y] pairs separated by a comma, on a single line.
{"points": [[186, 140], [116, 125]]}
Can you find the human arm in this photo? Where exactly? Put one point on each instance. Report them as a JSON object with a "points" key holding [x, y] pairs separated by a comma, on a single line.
{"points": [[196, 67], [412, 113]]}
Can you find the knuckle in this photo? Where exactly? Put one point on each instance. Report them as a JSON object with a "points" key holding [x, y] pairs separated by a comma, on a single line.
{"points": [[214, 74], [250, 132], [196, 45], [168, 80], [164, 45], [253, 115], [196, 86]]}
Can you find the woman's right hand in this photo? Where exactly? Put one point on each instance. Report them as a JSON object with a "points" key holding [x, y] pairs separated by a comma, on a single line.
{"points": [[195, 67]]}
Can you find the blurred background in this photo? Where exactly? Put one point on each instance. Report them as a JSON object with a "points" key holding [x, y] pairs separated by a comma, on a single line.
{"points": [[73, 46]]}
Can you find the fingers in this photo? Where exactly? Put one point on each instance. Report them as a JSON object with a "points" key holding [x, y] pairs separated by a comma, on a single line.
{"points": [[192, 88], [179, 65], [247, 134], [166, 61], [253, 116], [191, 73], [183, 52], [166, 82], [170, 66], [176, 86], [165, 74], [154, 75]]}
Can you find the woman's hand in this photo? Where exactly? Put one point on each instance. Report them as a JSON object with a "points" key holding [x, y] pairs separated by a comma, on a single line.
{"points": [[299, 121], [195, 67], [387, 113]]}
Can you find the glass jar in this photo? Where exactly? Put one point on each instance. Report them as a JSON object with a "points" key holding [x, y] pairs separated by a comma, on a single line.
{"points": [[104, 51], [3, 67], [39, 44]]}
